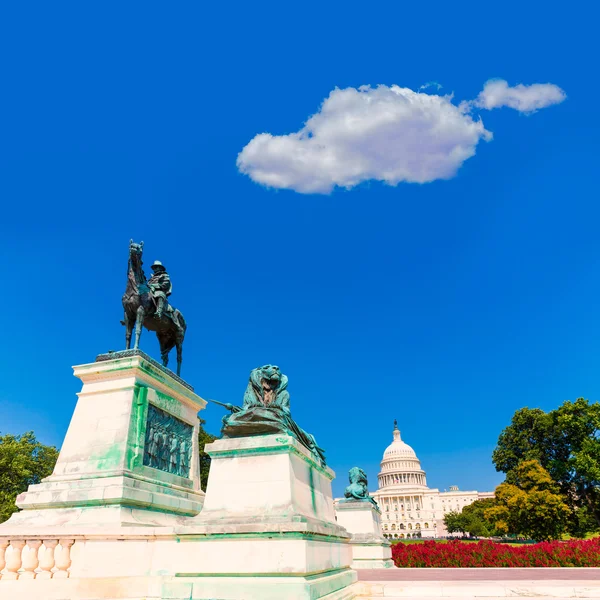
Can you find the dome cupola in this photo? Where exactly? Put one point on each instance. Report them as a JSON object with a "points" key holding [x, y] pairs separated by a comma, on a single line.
{"points": [[400, 466], [398, 448]]}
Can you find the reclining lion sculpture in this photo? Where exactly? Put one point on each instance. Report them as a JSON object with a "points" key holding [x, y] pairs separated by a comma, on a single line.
{"points": [[266, 410]]}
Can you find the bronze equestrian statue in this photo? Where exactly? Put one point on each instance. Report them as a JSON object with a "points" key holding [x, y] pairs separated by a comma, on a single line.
{"points": [[145, 303]]}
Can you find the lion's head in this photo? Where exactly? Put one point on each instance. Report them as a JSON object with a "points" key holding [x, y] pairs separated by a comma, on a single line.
{"points": [[357, 475], [270, 376], [268, 385]]}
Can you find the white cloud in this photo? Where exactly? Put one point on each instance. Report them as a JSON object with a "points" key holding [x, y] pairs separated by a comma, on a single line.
{"points": [[524, 98], [389, 134], [431, 84]]}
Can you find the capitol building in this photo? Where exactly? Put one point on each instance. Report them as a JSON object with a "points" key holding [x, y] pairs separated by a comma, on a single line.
{"points": [[410, 509]]}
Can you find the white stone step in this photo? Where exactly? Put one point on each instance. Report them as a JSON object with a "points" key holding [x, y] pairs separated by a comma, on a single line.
{"points": [[489, 590]]}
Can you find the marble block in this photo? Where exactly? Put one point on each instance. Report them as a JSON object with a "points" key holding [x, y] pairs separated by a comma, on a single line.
{"points": [[268, 521], [362, 519], [130, 455], [273, 476]]}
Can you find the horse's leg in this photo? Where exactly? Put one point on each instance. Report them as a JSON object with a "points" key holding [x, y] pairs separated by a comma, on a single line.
{"points": [[128, 328], [139, 321], [164, 353], [165, 343], [179, 344]]}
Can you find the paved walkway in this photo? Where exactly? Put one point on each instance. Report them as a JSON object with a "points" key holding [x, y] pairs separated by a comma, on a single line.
{"points": [[541, 574]]}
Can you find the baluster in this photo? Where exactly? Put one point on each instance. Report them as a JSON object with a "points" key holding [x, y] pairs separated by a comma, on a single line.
{"points": [[63, 559], [13, 559], [47, 559], [30, 559], [3, 547]]}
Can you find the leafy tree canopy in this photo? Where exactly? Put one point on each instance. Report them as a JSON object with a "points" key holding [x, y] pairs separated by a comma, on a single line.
{"points": [[204, 438], [453, 522], [566, 442], [472, 519], [530, 504], [475, 521], [23, 461]]}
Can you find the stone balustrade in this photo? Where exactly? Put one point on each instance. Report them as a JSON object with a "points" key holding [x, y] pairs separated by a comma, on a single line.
{"points": [[35, 558]]}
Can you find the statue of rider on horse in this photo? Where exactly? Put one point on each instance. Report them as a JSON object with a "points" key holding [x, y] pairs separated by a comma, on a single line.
{"points": [[145, 302]]}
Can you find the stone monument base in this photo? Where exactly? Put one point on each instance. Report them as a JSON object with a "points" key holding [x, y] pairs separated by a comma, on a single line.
{"points": [[267, 532], [362, 520], [268, 526], [103, 475], [122, 500], [122, 516]]}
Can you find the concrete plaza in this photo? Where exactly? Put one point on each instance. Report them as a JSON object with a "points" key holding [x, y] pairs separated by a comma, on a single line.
{"points": [[479, 583]]}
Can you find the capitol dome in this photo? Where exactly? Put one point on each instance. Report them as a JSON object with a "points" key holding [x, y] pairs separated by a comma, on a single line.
{"points": [[400, 466], [398, 448]]}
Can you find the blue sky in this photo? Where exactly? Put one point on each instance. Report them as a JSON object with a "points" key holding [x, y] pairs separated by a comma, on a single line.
{"points": [[447, 305]]}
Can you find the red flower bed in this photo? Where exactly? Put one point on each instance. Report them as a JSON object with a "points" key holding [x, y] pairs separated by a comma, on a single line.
{"points": [[574, 553]]}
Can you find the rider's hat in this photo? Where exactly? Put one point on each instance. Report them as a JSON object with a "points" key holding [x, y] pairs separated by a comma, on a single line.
{"points": [[157, 265]]}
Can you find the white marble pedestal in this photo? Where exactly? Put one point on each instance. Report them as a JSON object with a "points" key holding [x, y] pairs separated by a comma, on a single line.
{"points": [[268, 526], [362, 520], [105, 474], [119, 518]]}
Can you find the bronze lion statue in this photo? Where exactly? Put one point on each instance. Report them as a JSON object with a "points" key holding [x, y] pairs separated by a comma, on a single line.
{"points": [[266, 410], [358, 490]]}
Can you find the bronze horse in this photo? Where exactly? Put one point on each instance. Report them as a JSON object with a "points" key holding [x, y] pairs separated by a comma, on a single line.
{"points": [[140, 309]]}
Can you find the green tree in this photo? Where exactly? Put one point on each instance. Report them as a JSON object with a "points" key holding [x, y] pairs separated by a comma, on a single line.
{"points": [[474, 520], [204, 438], [529, 503], [471, 520], [453, 522], [566, 442], [23, 461]]}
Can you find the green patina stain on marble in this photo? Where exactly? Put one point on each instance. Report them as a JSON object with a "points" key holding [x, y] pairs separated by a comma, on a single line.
{"points": [[168, 404], [137, 428], [158, 376], [311, 480], [273, 536], [127, 454], [328, 583], [309, 575], [112, 458]]}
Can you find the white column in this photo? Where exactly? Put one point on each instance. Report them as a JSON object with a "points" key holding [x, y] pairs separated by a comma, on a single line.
{"points": [[30, 559], [3, 547], [63, 559], [13, 560], [47, 559]]}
